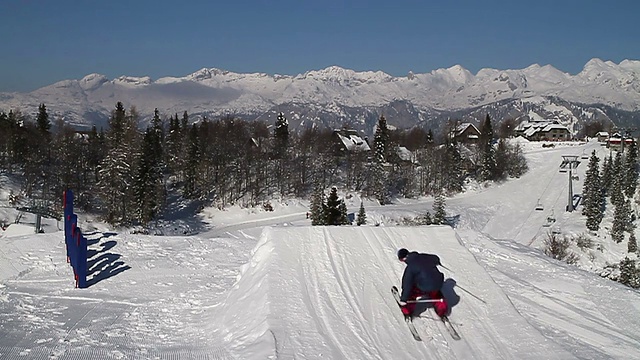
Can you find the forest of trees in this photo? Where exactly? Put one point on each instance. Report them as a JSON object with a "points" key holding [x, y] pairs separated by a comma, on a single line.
{"points": [[127, 171], [615, 183]]}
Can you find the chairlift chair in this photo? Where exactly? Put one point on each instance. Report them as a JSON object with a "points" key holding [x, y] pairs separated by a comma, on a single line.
{"points": [[539, 206]]}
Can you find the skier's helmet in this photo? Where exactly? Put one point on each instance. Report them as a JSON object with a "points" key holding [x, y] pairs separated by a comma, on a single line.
{"points": [[402, 253]]}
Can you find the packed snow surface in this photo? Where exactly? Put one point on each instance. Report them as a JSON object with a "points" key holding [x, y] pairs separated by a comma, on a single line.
{"points": [[261, 285]]}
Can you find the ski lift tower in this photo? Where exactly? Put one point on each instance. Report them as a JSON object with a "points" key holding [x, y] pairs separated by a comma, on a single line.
{"points": [[40, 208], [572, 163]]}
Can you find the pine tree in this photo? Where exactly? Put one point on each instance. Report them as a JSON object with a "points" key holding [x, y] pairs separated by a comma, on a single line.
{"points": [[149, 182], [379, 180], [317, 206], [488, 153], [281, 135], [174, 146], [381, 140], [439, 214], [332, 209], [620, 222], [194, 157], [593, 194], [361, 219], [607, 173], [42, 121], [38, 162], [430, 138], [452, 170], [502, 160], [629, 273], [344, 216], [632, 245], [425, 219], [516, 161], [631, 170], [116, 168]]}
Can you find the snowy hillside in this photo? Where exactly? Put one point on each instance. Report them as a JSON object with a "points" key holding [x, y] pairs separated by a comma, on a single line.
{"points": [[261, 285], [337, 92]]}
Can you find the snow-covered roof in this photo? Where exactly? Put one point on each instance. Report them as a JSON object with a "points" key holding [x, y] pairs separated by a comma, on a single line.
{"points": [[460, 128], [531, 131], [354, 142], [602, 133], [404, 154], [530, 128], [554, 127]]}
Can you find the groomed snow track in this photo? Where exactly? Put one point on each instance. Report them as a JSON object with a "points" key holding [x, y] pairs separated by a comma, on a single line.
{"points": [[323, 293]]}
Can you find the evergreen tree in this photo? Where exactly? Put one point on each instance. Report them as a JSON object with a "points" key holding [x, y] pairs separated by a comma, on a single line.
{"points": [[425, 219], [38, 161], [192, 163], [361, 219], [149, 182], [317, 206], [452, 170], [620, 222], [607, 173], [629, 273], [332, 210], [381, 140], [488, 153], [502, 160], [632, 245], [631, 170], [96, 151], [281, 135], [6, 132], [344, 216], [174, 146], [516, 161], [593, 194], [617, 181], [42, 121], [379, 181], [117, 168], [430, 138], [439, 214]]}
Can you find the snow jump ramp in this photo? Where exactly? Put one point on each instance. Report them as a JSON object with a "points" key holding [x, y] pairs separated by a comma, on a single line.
{"points": [[324, 293]]}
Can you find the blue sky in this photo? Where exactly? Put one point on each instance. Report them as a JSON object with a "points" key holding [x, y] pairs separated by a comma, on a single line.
{"points": [[46, 41]]}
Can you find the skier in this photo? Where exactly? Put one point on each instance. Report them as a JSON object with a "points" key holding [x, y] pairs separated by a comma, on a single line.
{"points": [[421, 278]]}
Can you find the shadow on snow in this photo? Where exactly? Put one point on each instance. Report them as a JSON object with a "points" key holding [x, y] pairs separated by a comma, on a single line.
{"points": [[103, 263]]}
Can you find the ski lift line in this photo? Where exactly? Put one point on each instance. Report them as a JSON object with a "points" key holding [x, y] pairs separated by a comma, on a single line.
{"points": [[532, 211]]}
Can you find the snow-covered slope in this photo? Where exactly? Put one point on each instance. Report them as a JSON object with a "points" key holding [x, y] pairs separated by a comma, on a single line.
{"points": [[219, 92], [262, 285], [314, 293]]}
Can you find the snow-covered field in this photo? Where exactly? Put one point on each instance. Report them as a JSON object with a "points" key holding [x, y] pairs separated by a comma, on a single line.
{"points": [[260, 285]]}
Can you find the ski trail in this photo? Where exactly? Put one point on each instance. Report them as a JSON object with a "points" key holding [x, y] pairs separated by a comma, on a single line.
{"points": [[316, 292]]}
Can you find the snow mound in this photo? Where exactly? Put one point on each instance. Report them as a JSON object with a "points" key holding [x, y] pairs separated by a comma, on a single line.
{"points": [[324, 292], [18, 230]]}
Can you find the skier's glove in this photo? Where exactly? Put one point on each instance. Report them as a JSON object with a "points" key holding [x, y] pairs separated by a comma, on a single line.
{"points": [[403, 303]]}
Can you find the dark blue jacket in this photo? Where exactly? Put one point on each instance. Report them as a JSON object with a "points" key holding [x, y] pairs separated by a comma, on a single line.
{"points": [[422, 272]]}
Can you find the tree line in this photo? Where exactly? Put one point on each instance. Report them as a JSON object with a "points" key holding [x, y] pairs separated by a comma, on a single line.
{"points": [[613, 183], [127, 172]]}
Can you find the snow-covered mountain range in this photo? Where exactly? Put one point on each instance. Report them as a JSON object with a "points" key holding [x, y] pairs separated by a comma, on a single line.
{"points": [[335, 96]]}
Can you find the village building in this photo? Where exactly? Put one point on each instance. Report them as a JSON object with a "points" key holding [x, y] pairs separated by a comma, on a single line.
{"points": [[466, 133], [543, 131], [616, 143], [348, 140], [602, 136]]}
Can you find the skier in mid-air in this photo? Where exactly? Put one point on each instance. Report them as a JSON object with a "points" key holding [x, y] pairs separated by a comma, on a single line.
{"points": [[421, 278]]}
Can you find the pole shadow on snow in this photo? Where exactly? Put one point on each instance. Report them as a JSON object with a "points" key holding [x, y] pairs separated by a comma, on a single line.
{"points": [[97, 240], [449, 294], [102, 263]]}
